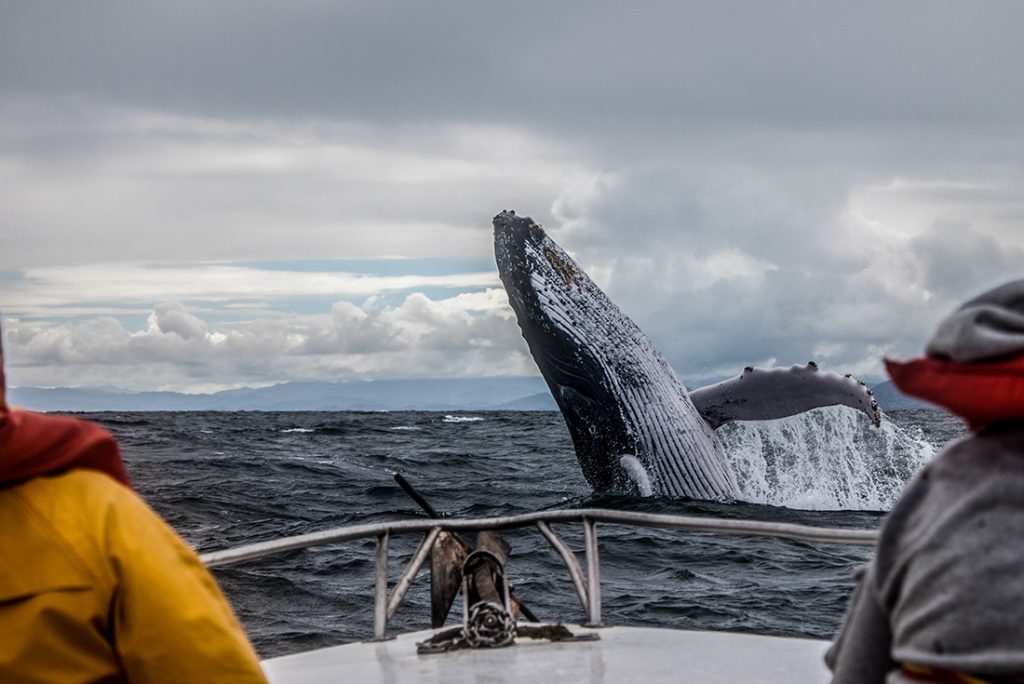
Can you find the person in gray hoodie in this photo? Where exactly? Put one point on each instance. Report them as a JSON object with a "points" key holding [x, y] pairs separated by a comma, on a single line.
{"points": [[943, 599]]}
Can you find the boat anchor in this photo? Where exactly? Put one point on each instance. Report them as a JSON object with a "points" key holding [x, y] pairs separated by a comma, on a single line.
{"points": [[490, 606]]}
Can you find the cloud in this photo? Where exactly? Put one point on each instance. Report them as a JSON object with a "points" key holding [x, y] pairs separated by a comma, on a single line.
{"points": [[173, 318], [956, 258], [463, 336], [727, 266], [723, 264], [96, 184], [569, 66], [122, 288]]}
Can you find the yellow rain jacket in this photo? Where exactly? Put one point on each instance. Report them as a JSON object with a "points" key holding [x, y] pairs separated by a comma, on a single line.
{"points": [[96, 589]]}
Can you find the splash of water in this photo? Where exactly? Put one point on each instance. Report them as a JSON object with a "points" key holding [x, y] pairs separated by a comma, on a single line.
{"points": [[827, 459]]}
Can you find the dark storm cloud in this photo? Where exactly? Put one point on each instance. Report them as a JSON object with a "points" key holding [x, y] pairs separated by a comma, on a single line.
{"points": [[570, 65]]}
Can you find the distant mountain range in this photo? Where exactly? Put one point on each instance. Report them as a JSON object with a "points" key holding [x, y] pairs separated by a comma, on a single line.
{"points": [[528, 394], [478, 394], [891, 399]]}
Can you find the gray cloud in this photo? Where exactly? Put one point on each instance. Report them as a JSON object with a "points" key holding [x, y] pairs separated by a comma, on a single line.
{"points": [[96, 184], [464, 336], [724, 267], [173, 318], [958, 259], [567, 64]]}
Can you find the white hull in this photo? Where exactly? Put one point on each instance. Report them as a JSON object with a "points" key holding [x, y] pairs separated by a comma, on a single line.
{"points": [[623, 654]]}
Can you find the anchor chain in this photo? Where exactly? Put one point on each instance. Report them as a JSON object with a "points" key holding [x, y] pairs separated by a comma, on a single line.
{"points": [[487, 628], [488, 625]]}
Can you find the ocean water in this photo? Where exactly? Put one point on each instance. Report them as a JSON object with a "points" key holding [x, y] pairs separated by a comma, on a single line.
{"points": [[226, 479]]}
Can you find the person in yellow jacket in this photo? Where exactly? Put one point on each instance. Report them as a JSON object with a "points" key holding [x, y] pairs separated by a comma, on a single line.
{"points": [[94, 587]]}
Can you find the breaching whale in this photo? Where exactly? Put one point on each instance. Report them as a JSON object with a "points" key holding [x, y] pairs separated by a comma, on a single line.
{"points": [[634, 425]]}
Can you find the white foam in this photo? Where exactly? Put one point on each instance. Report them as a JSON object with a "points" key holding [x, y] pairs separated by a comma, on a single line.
{"points": [[298, 430], [827, 459], [461, 419]]}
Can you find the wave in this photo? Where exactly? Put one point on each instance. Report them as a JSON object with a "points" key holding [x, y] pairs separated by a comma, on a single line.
{"points": [[827, 460], [124, 421], [461, 419]]}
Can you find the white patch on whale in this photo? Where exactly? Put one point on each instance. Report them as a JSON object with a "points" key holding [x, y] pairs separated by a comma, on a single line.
{"points": [[637, 473]]}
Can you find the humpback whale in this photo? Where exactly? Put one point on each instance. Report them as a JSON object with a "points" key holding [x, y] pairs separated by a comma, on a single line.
{"points": [[634, 426]]}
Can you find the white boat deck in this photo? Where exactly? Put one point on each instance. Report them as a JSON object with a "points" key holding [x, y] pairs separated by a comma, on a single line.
{"points": [[623, 654]]}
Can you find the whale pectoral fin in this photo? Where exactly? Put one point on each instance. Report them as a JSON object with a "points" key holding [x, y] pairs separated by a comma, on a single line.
{"points": [[768, 393]]}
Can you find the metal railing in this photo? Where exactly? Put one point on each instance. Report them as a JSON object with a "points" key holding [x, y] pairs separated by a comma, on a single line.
{"points": [[588, 586]]}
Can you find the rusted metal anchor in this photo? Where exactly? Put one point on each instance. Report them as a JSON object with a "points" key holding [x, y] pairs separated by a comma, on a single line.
{"points": [[490, 606]]}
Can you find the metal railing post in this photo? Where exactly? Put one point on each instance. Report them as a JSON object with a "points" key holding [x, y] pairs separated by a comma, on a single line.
{"points": [[405, 581], [380, 589], [593, 572], [578, 580]]}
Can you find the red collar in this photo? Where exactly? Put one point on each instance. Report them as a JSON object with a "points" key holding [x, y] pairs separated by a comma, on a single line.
{"points": [[980, 393], [36, 444]]}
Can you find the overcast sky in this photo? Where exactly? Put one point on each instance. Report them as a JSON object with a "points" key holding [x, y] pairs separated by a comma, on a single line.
{"points": [[202, 195]]}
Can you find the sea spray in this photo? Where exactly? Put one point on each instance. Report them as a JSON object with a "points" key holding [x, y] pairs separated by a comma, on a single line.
{"points": [[828, 459]]}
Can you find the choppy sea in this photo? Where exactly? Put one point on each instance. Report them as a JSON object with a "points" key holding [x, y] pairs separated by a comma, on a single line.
{"points": [[227, 479]]}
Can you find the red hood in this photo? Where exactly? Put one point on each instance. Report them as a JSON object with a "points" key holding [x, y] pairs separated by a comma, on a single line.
{"points": [[980, 393], [35, 444]]}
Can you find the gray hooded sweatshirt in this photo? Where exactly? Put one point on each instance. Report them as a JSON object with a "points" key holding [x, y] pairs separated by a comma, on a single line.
{"points": [[946, 587]]}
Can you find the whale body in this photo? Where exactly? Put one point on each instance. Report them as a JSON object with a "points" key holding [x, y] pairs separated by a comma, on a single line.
{"points": [[634, 425]]}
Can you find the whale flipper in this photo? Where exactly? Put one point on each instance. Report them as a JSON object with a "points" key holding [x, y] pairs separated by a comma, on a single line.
{"points": [[769, 393]]}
